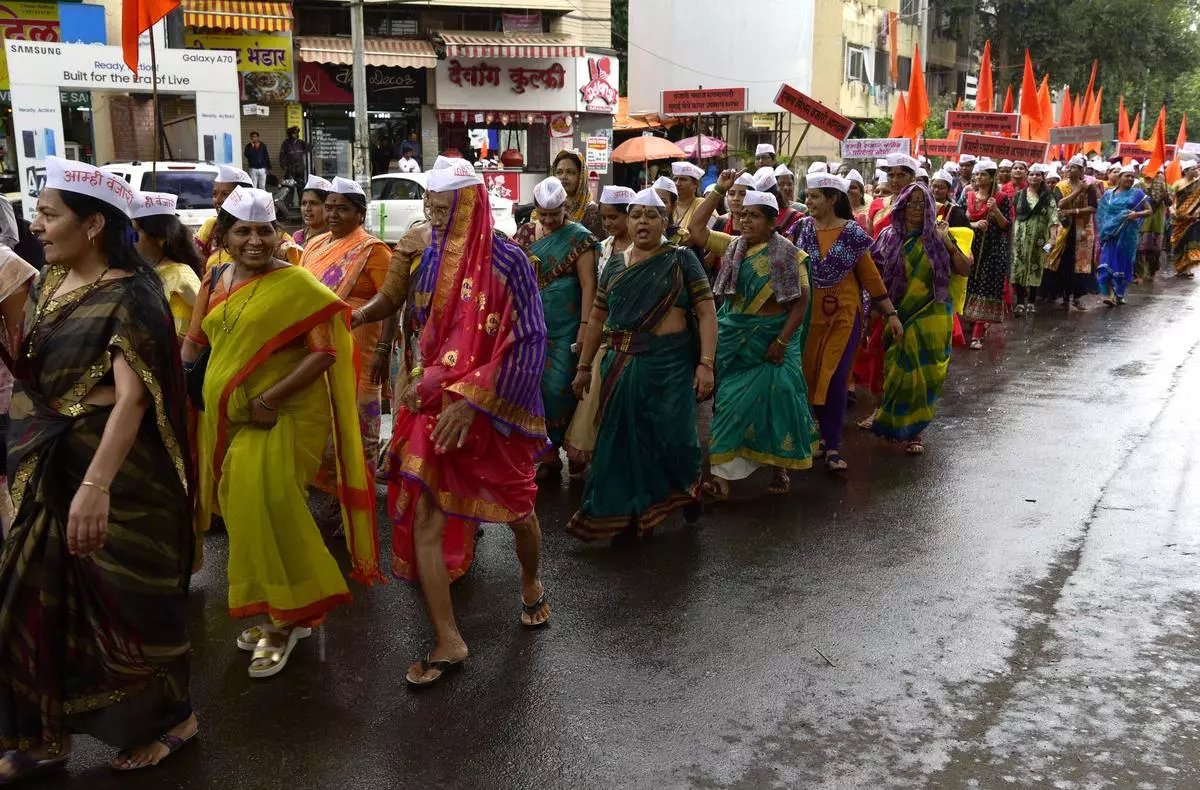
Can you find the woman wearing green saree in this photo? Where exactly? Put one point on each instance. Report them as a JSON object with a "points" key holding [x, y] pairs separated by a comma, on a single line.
{"points": [[563, 253], [761, 417], [647, 460]]}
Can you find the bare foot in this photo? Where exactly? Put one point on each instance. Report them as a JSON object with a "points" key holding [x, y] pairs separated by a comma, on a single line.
{"points": [[154, 753]]}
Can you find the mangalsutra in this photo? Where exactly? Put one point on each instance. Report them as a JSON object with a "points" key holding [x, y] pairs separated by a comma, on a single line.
{"points": [[225, 324]]}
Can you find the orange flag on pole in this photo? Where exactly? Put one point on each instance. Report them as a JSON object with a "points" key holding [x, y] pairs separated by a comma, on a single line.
{"points": [[900, 125], [1092, 119], [1135, 128], [893, 45], [1123, 123], [1042, 129], [918, 99], [1175, 169], [138, 16], [1158, 144], [1008, 100], [985, 93], [1089, 95], [1031, 108]]}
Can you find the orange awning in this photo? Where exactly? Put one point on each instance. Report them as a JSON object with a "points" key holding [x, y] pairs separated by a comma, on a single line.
{"points": [[624, 122], [238, 15], [504, 45], [397, 52]]}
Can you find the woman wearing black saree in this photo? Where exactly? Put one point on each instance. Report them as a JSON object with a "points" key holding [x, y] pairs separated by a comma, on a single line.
{"points": [[94, 573]]}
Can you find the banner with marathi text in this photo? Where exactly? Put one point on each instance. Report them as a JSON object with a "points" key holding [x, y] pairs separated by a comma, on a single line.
{"points": [[24, 21]]}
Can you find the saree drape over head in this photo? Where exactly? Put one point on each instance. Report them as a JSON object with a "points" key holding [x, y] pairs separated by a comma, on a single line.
{"points": [[647, 460], [761, 415], [1185, 233], [354, 267], [483, 340], [554, 258], [95, 644], [258, 333]]}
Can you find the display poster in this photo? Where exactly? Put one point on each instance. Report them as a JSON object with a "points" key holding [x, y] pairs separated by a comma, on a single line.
{"points": [[49, 67], [597, 154], [295, 118], [503, 184]]}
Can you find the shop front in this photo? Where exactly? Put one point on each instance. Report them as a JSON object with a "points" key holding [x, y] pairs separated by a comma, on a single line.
{"points": [[510, 104], [397, 82]]}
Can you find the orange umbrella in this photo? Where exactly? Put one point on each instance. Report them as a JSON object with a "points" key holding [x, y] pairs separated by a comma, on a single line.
{"points": [[644, 149]]}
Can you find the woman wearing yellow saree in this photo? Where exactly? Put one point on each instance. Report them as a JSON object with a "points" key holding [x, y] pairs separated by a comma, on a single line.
{"points": [[208, 239], [280, 378], [1185, 232], [568, 168], [353, 264]]}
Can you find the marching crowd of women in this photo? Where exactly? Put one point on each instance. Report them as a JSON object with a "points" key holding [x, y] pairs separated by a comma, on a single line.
{"points": [[159, 383]]}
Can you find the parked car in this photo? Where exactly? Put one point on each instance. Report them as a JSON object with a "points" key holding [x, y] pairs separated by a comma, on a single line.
{"points": [[191, 181], [398, 203]]}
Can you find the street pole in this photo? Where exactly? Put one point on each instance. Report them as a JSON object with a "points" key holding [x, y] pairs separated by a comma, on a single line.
{"points": [[362, 130]]}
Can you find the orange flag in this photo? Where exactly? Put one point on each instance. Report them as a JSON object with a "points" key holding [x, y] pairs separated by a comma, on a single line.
{"points": [[1008, 100], [1175, 169], [138, 16], [985, 92], [1090, 96], [1135, 128], [1066, 117], [893, 45], [1042, 130], [1031, 108], [900, 126], [1158, 144], [918, 100], [1122, 123], [1094, 118]]}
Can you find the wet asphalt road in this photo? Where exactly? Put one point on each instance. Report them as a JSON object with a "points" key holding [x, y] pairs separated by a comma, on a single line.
{"points": [[1018, 608]]}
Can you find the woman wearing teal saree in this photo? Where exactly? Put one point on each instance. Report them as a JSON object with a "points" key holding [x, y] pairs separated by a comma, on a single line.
{"points": [[647, 459], [564, 255], [761, 416]]}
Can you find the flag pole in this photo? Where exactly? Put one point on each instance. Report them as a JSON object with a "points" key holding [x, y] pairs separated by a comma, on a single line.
{"points": [[157, 115]]}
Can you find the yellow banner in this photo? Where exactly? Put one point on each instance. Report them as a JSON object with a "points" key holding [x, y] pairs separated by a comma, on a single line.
{"points": [[255, 52], [295, 117], [26, 22]]}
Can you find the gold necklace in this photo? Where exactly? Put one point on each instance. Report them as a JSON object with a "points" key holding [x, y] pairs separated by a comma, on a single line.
{"points": [[225, 324], [44, 309]]}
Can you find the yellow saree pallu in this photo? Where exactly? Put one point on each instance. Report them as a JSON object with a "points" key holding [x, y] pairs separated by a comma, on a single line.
{"points": [[278, 563]]}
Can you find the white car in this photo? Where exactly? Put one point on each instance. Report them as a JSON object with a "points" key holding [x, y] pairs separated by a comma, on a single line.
{"points": [[398, 203], [191, 181]]}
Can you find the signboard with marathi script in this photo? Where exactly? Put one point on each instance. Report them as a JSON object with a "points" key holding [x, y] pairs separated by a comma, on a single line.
{"points": [[940, 148], [26, 22], [264, 62], [597, 154], [704, 101], [811, 110], [1141, 151], [875, 147], [1003, 148], [1072, 135], [991, 122]]}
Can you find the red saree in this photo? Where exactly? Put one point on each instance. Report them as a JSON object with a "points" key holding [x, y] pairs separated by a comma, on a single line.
{"points": [[484, 340]]}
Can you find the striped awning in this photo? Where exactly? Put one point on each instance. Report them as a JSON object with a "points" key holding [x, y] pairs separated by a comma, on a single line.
{"points": [[224, 14], [397, 52], [501, 45]]}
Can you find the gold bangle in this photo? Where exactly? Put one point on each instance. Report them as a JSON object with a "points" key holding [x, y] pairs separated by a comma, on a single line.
{"points": [[102, 489], [782, 342], [705, 363], [706, 358], [263, 402]]}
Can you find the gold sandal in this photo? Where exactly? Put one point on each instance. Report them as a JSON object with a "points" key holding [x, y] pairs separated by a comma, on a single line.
{"points": [[248, 640], [276, 657]]}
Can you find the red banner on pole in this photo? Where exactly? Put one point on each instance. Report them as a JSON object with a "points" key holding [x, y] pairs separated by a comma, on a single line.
{"points": [[1139, 151], [992, 122], [1003, 148], [814, 112], [942, 148], [704, 101]]}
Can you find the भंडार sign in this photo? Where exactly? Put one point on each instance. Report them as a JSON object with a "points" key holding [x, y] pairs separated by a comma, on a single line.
{"points": [[875, 147], [1003, 148], [704, 101], [814, 112], [992, 122]]}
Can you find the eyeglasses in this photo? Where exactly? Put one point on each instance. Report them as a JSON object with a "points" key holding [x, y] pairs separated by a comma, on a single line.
{"points": [[436, 212]]}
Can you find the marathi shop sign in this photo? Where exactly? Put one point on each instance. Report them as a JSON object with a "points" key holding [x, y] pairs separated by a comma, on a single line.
{"points": [[597, 80], [388, 88], [541, 84], [264, 62], [26, 22]]}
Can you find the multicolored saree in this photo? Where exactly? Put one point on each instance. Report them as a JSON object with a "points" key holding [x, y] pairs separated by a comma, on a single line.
{"points": [[278, 563], [95, 644], [341, 265], [554, 258], [761, 414], [483, 341], [1185, 233], [647, 459]]}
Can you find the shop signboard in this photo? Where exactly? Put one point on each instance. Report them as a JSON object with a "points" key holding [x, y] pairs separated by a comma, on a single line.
{"points": [[547, 84], [295, 117], [387, 88], [503, 184], [597, 154], [264, 62], [598, 77], [25, 21], [46, 68]]}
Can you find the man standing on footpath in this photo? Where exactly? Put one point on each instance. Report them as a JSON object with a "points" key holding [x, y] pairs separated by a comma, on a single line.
{"points": [[293, 158], [258, 161]]}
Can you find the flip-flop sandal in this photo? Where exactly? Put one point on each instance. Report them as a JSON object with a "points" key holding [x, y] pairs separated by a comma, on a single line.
{"points": [[835, 463], [866, 423], [25, 767], [248, 640], [532, 609], [443, 667], [915, 448], [717, 491], [173, 743], [277, 658], [780, 485]]}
